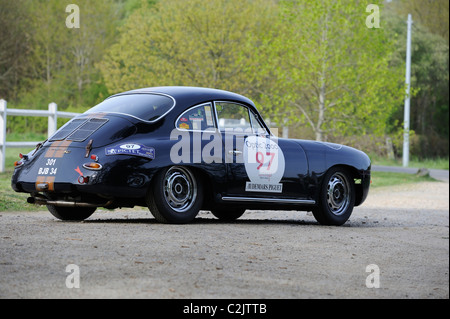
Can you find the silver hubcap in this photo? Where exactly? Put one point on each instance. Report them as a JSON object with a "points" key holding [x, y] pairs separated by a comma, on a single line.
{"points": [[180, 189], [338, 195]]}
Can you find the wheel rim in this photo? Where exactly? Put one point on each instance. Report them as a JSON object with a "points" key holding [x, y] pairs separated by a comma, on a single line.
{"points": [[180, 189], [338, 194]]}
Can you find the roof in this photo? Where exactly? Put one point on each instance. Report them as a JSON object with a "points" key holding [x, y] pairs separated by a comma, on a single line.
{"points": [[189, 96]]}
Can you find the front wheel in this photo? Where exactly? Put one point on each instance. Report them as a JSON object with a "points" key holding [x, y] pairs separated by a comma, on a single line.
{"points": [[337, 198], [175, 196]]}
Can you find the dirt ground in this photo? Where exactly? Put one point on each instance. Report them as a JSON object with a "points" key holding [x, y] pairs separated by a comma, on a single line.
{"points": [[396, 245]]}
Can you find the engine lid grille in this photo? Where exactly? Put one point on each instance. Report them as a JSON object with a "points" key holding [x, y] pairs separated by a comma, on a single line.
{"points": [[78, 130]]}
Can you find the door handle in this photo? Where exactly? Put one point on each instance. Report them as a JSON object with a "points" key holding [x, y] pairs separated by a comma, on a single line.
{"points": [[235, 152]]}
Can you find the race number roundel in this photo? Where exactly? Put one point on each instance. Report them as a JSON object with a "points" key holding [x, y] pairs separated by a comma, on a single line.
{"points": [[264, 164]]}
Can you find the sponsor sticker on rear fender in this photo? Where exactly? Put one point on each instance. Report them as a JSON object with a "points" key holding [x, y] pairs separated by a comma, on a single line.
{"points": [[131, 149]]}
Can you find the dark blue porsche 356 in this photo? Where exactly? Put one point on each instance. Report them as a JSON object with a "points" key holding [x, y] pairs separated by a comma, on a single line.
{"points": [[178, 150]]}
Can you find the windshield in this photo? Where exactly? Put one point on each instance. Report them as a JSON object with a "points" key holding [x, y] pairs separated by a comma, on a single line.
{"points": [[147, 107]]}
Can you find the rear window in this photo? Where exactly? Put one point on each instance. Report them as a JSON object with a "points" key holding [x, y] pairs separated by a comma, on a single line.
{"points": [[147, 107]]}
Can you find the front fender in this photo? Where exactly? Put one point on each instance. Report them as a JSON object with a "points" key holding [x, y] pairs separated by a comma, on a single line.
{"points": [[322, 156], [356, 161]]}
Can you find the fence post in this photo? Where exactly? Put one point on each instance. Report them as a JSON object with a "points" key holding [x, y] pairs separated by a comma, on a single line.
{"points": [[2, 135], [285, 131], [52, 119]]}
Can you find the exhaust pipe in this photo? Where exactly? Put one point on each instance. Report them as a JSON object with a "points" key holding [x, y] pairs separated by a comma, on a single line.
{"points": [[62, 203]]}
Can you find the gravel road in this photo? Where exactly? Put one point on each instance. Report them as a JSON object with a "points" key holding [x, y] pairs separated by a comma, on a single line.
{"points": [[402, 231]]}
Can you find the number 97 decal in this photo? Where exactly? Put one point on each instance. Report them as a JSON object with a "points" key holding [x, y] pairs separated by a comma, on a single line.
{"points": [[264, 164], [260, 159]]}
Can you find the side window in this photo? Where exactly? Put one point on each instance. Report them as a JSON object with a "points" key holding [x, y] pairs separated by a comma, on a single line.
{"points": [[197, 118], [231, 115], [257, 127]]}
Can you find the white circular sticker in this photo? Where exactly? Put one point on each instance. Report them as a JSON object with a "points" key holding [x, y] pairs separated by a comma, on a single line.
{"points": [[264, 164], [130, 146]]}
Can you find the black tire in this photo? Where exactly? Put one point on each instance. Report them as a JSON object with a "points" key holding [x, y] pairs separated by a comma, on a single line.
{"points": [[175, 196], [336, 199], [71, 213], [228, 214]]}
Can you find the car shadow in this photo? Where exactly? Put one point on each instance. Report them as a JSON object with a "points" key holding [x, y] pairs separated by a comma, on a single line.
{"points": [[214, 221], [200, 221], [367, 218]]}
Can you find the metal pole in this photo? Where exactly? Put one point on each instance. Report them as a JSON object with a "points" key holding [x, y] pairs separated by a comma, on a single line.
{"points": [[285, 131], [407, 97], [2, 135]]}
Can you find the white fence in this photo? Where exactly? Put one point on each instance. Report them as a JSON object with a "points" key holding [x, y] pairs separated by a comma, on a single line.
{"points": [[52, 115]]}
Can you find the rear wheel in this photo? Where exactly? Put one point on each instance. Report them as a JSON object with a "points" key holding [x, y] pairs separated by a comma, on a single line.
{"points": [[71, 213], [337, 198], [176, 195]]}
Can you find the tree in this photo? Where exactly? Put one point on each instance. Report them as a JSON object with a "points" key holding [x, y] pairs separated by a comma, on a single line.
{"points": [[196, 42], [14, 46], [43, 61], [332, 71], [430, 83], [63, 58], [431, 14]]}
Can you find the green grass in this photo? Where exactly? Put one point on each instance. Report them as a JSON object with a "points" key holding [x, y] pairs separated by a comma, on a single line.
{"points": [[382, 179], [438, 163], [9, 199], [29, 136], [12, 201]]}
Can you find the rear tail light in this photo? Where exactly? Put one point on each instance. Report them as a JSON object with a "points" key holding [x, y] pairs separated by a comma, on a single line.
{"points": [[20, 162], [93, 166]]}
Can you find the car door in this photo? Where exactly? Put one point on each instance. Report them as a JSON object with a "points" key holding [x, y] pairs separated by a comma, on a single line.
{"points": [[259, 165], [198, 143]]}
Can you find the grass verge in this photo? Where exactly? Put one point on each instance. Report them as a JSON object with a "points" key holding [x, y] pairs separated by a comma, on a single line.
{"points": [[12, 201], [436, 163], [382, 179]]}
